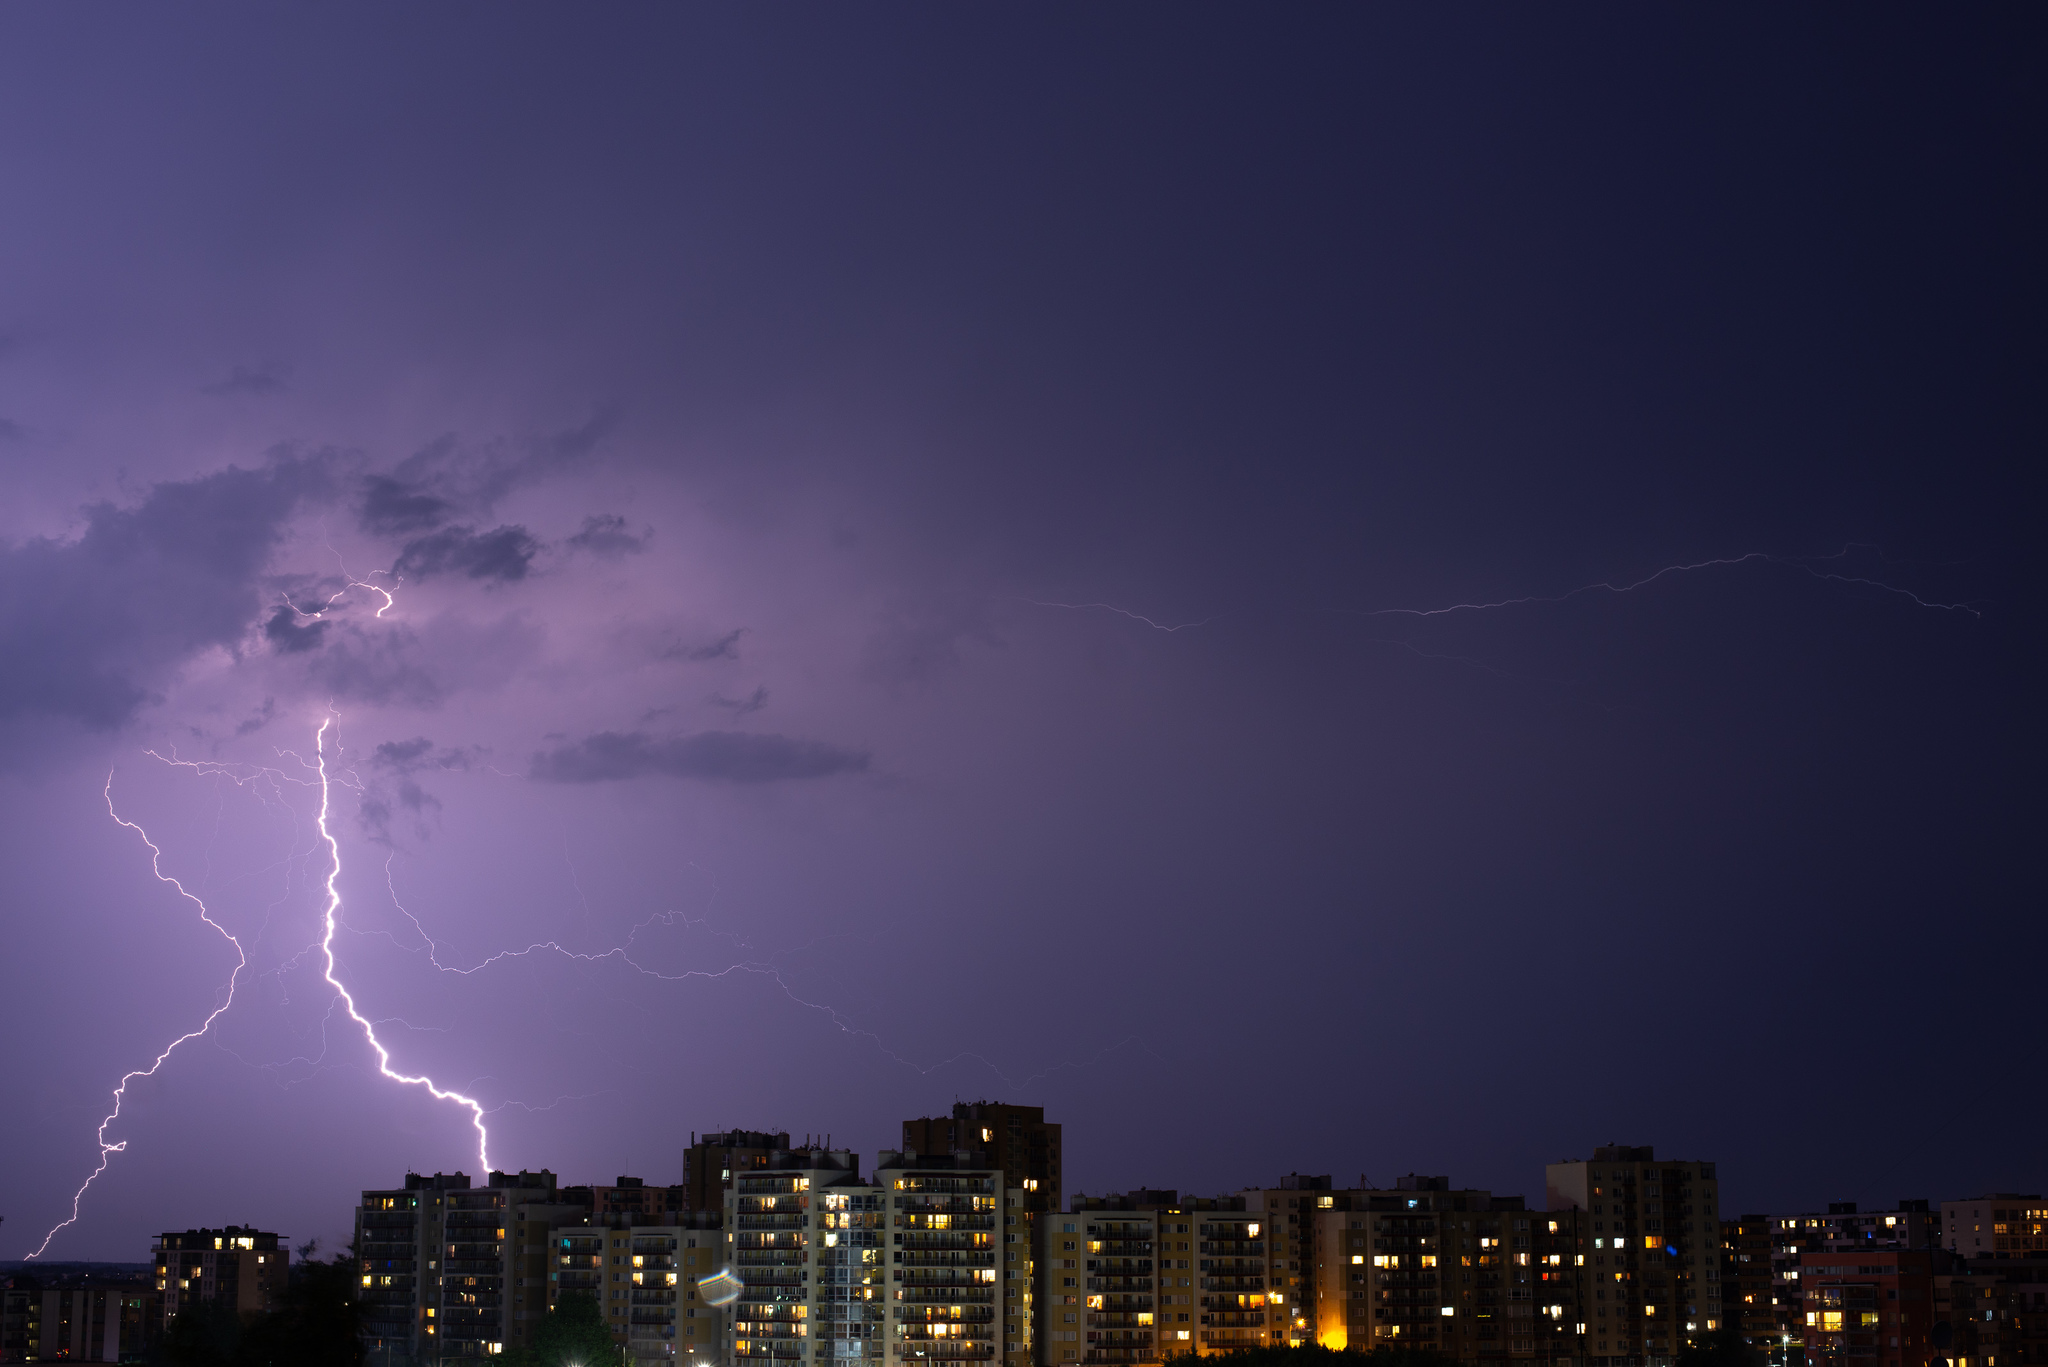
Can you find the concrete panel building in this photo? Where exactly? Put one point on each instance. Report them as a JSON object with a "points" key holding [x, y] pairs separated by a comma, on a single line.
{"points": [[243, 1270], [1655, 1256]]}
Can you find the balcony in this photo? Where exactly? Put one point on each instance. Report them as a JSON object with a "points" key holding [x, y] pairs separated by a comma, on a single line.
{"points": [[936, 1257], [961, 1350]]}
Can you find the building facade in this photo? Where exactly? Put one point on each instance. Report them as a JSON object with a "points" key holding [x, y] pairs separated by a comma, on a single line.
{"points": [[1475, 1276], [242, 1270], [1017, 1139], [902, 1269], [2002, 1225], [712, 1159], [1655, 1256], [79, 1319], [1869, 1308]]}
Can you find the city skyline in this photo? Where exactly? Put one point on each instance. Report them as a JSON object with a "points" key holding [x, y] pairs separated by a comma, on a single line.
{"points": [[1346, 592]]}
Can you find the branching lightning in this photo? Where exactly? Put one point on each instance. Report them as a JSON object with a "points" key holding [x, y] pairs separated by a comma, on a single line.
{"points": [[107, 1151], [329, 920]]}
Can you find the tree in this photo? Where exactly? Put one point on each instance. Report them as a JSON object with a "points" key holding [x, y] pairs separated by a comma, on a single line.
{"points": [[317, 1326], [574, 1334]]}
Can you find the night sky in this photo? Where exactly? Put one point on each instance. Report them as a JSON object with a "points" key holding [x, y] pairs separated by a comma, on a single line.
{"points": [[1330, 588]]}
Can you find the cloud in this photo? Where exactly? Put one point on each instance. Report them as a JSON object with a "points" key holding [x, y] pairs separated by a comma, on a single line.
{"points": [[419, 664], [409, 756], [504, 554], [287, 637], [391, 507], [262, 717], [605, 535], [94, 626], [726, 647], [263, 379], [719, 756], [753, 702], [402, 759], [11, 430]]}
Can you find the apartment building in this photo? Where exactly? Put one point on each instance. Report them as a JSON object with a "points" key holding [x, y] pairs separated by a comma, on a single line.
{"points": [[79, 1319], [644, 1279], [712, 1159], [243, 1270], [1145, 1275], [1746, 1283], [1464, 1272], [1655, 1256], [1992, 1311], [1021, 1215], [1873, 1306], [902, 1269], [1017, 1139], [1289, 1234], [437, 1263], [1842, 1228], [2002, 1225]]}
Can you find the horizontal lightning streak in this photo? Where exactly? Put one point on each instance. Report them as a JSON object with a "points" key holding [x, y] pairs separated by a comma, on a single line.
{"points": [[1603, 586], [107, 1151], [1124, 612]]}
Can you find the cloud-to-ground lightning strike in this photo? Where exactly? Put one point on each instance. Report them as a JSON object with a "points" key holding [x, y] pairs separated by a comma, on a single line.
{"points": [[329, 916], [107, 1151]]}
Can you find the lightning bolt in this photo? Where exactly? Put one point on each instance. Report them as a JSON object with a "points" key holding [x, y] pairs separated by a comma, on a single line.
{"points": [[107, 1151], [1121, 612], [329, 918], [1604, 586]]}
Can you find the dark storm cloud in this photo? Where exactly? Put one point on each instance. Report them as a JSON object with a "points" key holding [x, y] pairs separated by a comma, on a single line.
{"points": [[740, 707], [94, 626], [726, 647], [247, 380], [287, 637], [401, 760], [504, 554], [722, 756], [605, 535], [262, 717], [409, 756], [391, 507]]}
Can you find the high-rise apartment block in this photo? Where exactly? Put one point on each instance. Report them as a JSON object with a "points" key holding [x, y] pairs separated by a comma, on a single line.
{"points": [[712, 1159], [450, 1273], [1146, 1275], [1462, 1272], [1016, 1139], [1655, 1230], [243, 1270], [1746, 1292], [902, 1269]]}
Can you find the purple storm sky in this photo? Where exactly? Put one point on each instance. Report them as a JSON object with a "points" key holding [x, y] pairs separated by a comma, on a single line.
{"points": [[894, 519]]}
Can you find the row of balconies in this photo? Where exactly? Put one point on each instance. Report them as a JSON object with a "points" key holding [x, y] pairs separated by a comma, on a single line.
{"points": [[945, 1295], [942, 1257]]}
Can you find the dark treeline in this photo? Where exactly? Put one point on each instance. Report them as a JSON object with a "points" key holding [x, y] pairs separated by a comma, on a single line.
{"points": [[316, 1326]]}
